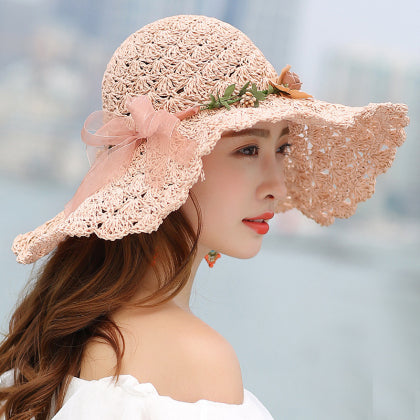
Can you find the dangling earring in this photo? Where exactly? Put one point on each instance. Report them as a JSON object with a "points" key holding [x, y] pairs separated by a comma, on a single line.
{"points": [[212, 257]]}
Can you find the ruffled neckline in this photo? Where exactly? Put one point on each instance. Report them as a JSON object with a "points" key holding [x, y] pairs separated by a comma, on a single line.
{"points": [[130, 383], [103, 398]]}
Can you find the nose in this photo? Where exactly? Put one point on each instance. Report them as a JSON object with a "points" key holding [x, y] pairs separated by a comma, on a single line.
{"points": [[272, 185]]}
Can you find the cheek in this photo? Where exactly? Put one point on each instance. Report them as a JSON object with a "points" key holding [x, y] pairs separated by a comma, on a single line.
{"points": [[221, 195], [224, 194]]}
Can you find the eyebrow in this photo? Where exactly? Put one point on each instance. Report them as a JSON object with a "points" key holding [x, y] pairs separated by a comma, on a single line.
{"points": [[259, 132]]}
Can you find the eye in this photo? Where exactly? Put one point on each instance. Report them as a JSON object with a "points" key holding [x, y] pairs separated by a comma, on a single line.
{"points": [[250, 151], [285, 148]]}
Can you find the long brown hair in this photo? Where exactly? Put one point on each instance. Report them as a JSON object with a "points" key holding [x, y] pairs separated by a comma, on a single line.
{"points": [[70, 300]]}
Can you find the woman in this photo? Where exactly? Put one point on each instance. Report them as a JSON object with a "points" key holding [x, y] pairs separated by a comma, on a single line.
{"points": [[197, 137]]}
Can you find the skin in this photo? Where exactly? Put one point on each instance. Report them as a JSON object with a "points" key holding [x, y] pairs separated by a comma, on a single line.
{"points": [[240, 182]]}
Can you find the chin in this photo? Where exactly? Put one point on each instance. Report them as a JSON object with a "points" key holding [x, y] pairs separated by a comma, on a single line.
{"points": [[243, 253], [234, 245]]}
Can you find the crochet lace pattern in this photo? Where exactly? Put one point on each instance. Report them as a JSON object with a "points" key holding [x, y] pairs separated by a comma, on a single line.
{"points": [[337, 151]]}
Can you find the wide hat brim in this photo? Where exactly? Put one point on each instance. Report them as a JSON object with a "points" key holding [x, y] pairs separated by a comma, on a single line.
{"points": [[336, 154]]}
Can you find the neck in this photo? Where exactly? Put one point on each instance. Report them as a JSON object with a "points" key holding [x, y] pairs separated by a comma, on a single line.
{"points": [[182, 299]]}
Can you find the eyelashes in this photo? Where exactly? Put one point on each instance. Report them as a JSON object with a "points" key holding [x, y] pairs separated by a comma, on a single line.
{"points": [[284, 150]]}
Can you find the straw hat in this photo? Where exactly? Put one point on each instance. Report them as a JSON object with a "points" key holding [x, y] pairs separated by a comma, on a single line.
{"points": [[160, 119]]}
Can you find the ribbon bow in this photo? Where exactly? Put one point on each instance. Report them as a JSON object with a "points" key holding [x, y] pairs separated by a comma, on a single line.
{"points": [[158, 128]]}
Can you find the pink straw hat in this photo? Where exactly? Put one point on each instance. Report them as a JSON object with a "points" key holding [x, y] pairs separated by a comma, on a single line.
{"points": [[159, 119]]}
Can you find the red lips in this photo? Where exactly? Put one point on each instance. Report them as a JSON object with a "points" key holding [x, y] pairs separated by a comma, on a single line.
{"points": [[266, 216], [258, 223]]}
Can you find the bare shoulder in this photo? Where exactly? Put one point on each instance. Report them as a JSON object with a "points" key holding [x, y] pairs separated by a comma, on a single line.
{"points": [[186, 359], [212, 367], [178, 353]]}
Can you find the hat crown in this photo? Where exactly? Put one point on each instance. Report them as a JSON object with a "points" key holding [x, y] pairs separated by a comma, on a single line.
{"points": [[179, 61]]}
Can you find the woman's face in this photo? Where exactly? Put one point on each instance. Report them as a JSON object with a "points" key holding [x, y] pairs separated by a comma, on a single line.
{"points": [[243, 179]]}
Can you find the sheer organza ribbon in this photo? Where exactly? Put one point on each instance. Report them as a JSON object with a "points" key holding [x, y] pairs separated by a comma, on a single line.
{"points": [[124, 134]]}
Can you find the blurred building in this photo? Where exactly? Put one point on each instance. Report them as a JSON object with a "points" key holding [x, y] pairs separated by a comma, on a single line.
{"points": [[271, 27], [53, 57]]}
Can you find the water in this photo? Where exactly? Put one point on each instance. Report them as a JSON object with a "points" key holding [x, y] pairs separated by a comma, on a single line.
{"points": [[324, 321]]}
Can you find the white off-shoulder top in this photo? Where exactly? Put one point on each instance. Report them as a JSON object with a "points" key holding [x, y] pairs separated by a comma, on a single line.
{"points": [[104, 399]]}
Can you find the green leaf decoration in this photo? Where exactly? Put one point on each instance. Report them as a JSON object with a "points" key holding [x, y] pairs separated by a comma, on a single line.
{"points": [[259, 96], [233, 100], [212, 103], [243, 89], [230, 98], [224, 103], [228, 92], [270, 90]]}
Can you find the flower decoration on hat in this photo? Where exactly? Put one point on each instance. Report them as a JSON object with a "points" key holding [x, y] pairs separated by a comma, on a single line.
{"points": [[286, 84]]}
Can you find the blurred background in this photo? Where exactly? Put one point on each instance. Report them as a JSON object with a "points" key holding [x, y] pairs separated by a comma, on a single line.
{"points": [[324, 320]]}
